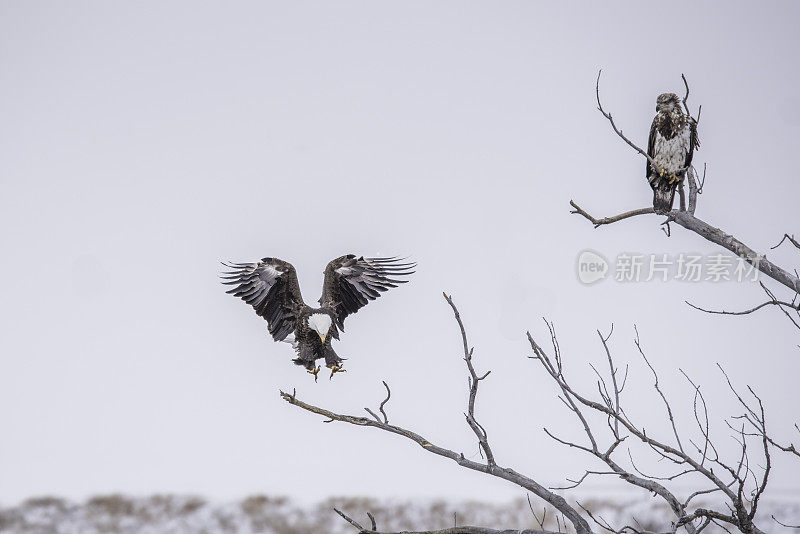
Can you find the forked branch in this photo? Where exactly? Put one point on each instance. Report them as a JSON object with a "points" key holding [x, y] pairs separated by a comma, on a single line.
{"points": [[790, 309], [741, 482], [472, 381], [490, 467], [791, 240], [736, 482]]}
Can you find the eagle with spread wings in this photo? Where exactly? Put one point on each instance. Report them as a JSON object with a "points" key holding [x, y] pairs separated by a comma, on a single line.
{"points": [[271, 288]]}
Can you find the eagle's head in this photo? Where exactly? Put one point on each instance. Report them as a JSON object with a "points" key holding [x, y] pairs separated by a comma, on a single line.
{"points": [[667, 102], [322, 324]]}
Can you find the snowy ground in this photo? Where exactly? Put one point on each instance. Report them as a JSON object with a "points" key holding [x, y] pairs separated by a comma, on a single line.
{"points": [[269, 515]]}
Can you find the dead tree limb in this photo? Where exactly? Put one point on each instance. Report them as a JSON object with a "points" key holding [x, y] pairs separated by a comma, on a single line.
{"points": [[490, 467], [622, 136], [790, 448], [380, 408], [685, 100], [784, 524], [473, 381], [740, 482], [736, 481], [710, 233], [742, 312], [790, 309], [791, 240]]}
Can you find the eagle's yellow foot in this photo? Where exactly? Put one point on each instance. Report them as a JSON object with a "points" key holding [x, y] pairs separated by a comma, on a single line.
{"points": [[673, 179], [337, 369], [315, 372]]}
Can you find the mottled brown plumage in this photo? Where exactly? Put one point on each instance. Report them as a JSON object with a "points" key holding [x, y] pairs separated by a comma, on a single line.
{"points": [[673, 138]]}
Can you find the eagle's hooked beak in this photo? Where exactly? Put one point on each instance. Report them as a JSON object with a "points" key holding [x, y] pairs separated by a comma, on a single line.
{"points": [[322, 337]]}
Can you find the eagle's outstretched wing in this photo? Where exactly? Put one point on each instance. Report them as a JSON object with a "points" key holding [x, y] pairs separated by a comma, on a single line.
{"points": [[350, 282], [270, 287]]}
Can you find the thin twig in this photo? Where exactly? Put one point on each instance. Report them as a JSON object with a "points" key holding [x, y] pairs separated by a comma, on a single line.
{"points": [[788, 237], [380, 408], [617, 130], [474, 380], [784, 524], [608, 220], [638, 344], [743, 312]]}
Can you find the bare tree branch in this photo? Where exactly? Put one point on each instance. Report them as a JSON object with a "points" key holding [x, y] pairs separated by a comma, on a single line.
{"points": [[694, 188], [791, 240], [541, 521], [575, 400], [608, 220], [655, 382], [388, 396], [736, 482], [686, 98], [710, 233], [784, 524], [741, 513], [580, 524], [791, 449], [474, 380], [793, 306], [380, 408], [617, 130], [785, 312], [743, 312]]}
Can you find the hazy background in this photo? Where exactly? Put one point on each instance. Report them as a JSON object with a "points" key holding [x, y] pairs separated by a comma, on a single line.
{"points": [[141, 143]]}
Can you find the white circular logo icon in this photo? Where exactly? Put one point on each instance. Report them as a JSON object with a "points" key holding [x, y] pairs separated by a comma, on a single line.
{"points": [[592, 267]]}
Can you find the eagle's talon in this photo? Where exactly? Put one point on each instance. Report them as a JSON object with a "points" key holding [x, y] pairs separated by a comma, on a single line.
{"points": [[336, 369], [315, 372]]}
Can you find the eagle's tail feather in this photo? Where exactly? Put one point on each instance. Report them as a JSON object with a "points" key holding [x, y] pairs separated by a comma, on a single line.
{"points": [[663, 197]]}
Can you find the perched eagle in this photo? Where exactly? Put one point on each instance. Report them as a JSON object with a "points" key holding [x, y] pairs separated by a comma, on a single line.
{"points": [[271, 288], [673, 138]]}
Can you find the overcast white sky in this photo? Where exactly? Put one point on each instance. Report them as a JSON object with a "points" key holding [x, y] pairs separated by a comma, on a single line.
{"points": [[143, 142]]}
